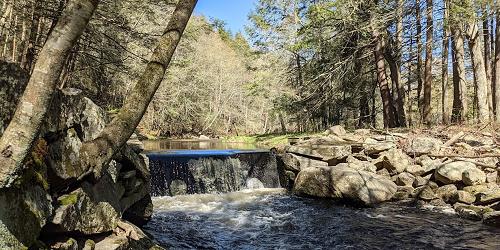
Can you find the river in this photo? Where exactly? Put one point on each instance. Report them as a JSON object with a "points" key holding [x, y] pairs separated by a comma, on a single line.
{"points": [[271, 218]]}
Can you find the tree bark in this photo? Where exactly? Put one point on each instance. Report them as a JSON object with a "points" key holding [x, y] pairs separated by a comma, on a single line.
{"points": [[487, 59], [419, 55], [97, 153], [460, 103], [445, 109], [17, 141], [388, 108], [476, 50], [496, 85], [426, 114]]}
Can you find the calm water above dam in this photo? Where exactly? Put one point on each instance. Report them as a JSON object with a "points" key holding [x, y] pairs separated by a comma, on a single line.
{"points": [[206, 199]]}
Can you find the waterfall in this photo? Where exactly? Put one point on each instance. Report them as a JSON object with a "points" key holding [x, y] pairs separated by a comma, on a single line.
{"points": [[211, 171]]}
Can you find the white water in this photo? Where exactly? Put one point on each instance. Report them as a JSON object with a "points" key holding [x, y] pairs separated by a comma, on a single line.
{"points": [[270, 218]]}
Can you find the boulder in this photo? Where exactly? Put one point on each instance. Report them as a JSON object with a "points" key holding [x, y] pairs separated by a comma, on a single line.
{"points": [[384, 172], [91, 209], [446, 192], [361, 165], [468, 213], [415, 170], [492, 177], [328, 153], [492, 218], [424, 193], [344, 183], [419, 181], [473, 176], [405, 179], [140, 212], [403, 193], [126, 236], [464, 197], [72, 120], [429, 165], [372, 146], [337, 130], [295, 163], [393, 160], [423, 145], [474, 190], [452, 172], [488, 198], [24, 212]]}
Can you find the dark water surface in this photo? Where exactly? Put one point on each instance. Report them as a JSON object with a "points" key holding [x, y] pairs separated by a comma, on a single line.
{"points": [[272, 219], [162, 145]]}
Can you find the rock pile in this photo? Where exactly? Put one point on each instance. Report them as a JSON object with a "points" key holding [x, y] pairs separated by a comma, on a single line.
{"points": [[370, 167], [52, 207]]}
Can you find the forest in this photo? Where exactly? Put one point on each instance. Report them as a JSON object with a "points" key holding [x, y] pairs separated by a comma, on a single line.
{"points": [[132, 124], [302, 65]]}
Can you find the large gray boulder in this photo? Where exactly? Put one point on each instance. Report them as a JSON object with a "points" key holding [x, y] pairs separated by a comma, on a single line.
{"points": [[452, 172], [296, 163], [423, 145], [394, 160], [473, 176], [372, 146], [89, 209], [328, 153], [344, 183], [72, 120], [24, 211]]}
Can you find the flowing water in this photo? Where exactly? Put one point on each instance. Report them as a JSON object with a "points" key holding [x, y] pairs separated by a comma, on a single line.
{"points": [[227, 199]]}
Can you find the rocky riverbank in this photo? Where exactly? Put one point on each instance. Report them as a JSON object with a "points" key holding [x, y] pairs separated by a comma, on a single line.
{"points": [[50, 206], [367, 167]]}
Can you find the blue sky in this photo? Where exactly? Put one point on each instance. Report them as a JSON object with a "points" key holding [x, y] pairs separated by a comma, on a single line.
{"points": [[233, 12]]}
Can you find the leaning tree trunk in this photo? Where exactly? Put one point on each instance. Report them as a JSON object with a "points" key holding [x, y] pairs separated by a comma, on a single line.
{"points": [[17, 141], [97, 153], [476, 50], [426, 105]]}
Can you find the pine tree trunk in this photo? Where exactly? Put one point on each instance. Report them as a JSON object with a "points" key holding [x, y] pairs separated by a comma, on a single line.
{"points": [[426, 115], [22, 131], [388, 108]]}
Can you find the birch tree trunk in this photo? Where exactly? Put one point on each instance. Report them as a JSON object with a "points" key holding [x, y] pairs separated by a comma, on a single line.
{"points": [[97, 153], [17, 141]]}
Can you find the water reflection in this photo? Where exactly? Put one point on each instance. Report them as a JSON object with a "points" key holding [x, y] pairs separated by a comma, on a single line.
{"points": [[162, 145]]}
